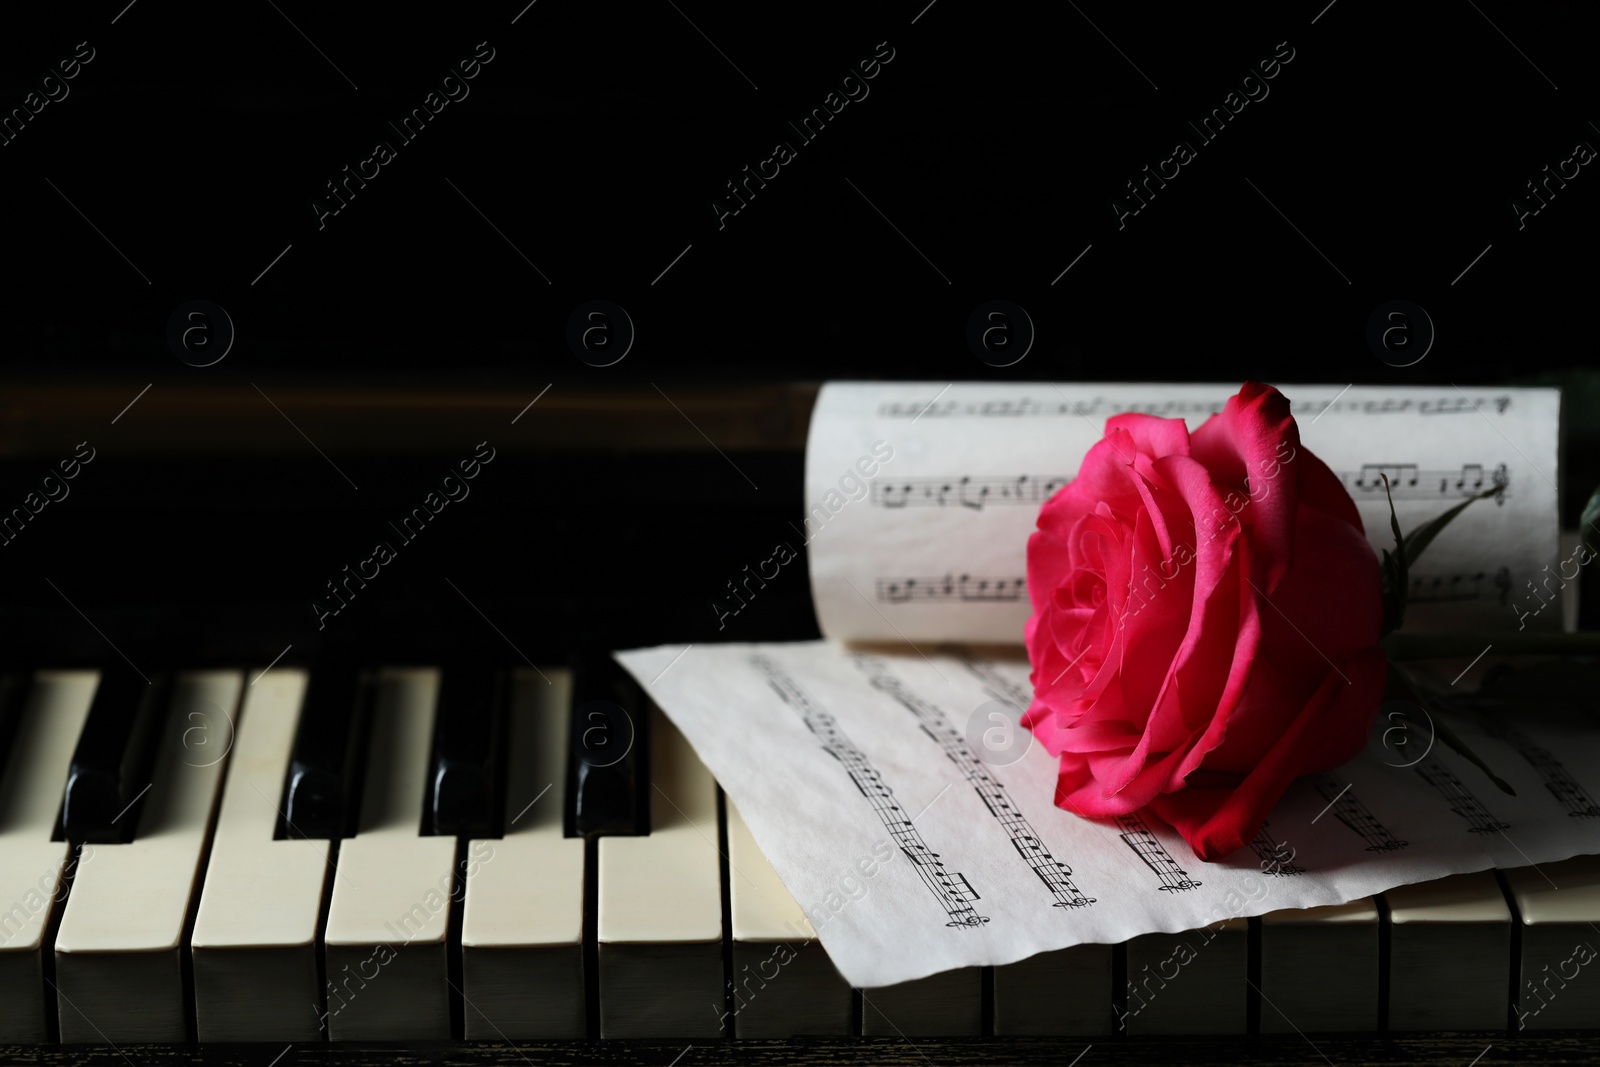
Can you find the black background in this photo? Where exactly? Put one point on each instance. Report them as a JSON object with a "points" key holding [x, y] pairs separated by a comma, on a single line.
{"points": [[1382, 165]]}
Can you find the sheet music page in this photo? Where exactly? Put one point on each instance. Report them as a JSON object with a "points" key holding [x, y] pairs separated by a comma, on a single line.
{"points": [[932, 544], [917, 840]]}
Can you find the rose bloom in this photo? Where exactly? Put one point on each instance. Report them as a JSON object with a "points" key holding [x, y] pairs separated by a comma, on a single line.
{"points": [[1206, 612]]}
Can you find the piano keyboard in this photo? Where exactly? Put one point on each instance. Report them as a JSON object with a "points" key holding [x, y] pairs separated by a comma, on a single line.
{"points": [[423, 854]]}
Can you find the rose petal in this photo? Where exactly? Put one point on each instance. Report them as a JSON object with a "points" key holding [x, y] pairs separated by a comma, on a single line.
{"points": [[1321, 490], [1152, 435], [1250, 439], [1326, 733]]}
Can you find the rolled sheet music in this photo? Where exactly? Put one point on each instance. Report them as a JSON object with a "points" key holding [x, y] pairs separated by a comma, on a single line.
{"points": [[933, 545]]}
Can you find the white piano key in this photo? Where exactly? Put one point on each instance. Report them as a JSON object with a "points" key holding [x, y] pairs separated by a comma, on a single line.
{"points": [[522, 930], [1319, 968], [31, 865], [255, 936], [1449, 954], [1559, 986], [949, 1004], [119, 969], [1062, 993], [660, 906], [386, 944], [1195, 982], [783, 982]]}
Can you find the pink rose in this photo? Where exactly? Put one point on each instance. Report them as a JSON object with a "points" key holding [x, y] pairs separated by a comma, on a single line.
{"points": [[1206, 612]]}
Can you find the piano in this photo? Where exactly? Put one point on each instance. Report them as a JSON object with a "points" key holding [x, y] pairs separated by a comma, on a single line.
{"points": [[269, 796], [444, 824], [487, 855]]}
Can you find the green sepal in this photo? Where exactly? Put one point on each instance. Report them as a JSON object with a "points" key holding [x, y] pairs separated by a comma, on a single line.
{"points": [[1423, 535], [1407, 549], [1591, 516], [1395, 573]]}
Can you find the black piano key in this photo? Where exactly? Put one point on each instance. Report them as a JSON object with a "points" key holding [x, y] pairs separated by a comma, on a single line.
{"points": [[465, 796], [606, 771], [110, 769], [322, 796]]}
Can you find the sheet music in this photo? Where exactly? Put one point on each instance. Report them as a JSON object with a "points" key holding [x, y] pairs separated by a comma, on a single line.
{"points": [[934, 546], [834, 752]]}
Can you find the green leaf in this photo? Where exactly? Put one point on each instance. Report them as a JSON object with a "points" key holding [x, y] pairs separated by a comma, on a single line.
{"points": [[1394, 600], [1441, 728], [1395, 574], [1591, 514], [1394, 522], [1450, 738], [1423, 535]]}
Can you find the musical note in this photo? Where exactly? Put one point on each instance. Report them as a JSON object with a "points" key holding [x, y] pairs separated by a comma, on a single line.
{"points": [[974, 492], [1408, 482], [1426, 587], [1460, 798], [1055, 875], [964, 587], [884, 494], [1271, 856], [1557, 779], [998, 686], [1502, 479], [954, 893], [897, 592], [1348, 809], [992, 588], [1371, 476], [1137, 836], [974, 501], [1028, 406]]}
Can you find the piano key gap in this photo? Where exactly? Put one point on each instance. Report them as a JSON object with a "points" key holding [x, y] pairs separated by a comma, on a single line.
{"points": [[47, 946], [1385, 946], [191, 1023], [453, 948], [321, 1005], [729, 1007], [1516, 951], [591, 934], [986, 1002], [1252, 968], [1119, 990]]}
